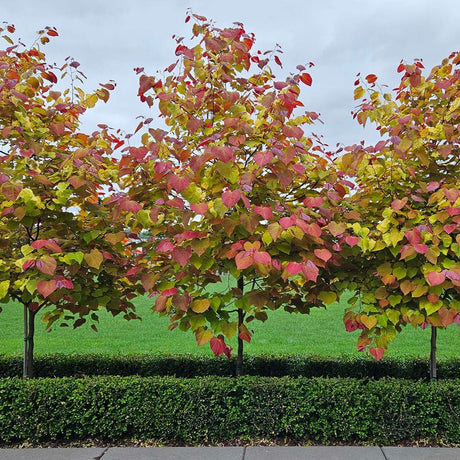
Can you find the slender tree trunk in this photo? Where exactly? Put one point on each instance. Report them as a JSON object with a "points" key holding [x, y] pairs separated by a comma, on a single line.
{"points": [[241, 315], [29, 330], [433, 366]]}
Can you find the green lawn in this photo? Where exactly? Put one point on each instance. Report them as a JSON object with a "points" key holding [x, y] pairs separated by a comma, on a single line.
{"points": [[322, 332]]}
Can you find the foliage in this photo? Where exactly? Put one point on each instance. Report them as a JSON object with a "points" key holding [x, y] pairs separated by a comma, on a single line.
{"points": [[188, 365], [59, 245], [211, 410], [405, 267], [233, 185]]}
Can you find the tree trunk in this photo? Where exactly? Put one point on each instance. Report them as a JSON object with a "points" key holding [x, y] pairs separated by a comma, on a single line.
{"points": [[241, 314], [433, 366], [29, 330]]}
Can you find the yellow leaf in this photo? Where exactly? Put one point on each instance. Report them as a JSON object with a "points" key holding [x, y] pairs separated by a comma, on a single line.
{"points": [[420, 290], [368, 321], [327, 297], [203, 336], [229, 329], [94, 258], [358, 93], [200, 305]]}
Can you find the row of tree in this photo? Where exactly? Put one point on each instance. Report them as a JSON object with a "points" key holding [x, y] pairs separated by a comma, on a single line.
{"points": [[230, 210]]}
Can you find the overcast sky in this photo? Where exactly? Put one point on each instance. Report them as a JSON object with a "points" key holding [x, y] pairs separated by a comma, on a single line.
{"points": [[111, 37]]}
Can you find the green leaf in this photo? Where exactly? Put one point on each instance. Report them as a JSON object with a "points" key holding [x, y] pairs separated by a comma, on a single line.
{"points": [[4, 285]]}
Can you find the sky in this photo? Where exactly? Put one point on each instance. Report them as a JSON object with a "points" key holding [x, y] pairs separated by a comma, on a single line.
{"points": [[342, 37]]}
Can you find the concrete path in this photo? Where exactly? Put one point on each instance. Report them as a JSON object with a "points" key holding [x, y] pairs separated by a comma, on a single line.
{"points": [[234, 453]]}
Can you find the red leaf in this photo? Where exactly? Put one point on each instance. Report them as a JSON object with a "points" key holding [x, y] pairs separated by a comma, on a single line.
{"points": [[165, 246], [377, 353], [371, 78], [306, 78], [52, 33], [160, 303], [229, 199], [244, 334], [27, 264], [278, 61], [182, 255], [435, 278], [219, 347], [45, 288], [323, 254]]}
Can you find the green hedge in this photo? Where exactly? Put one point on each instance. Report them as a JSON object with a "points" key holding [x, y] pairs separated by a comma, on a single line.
{"points": [[218, 409], [60, 365]]}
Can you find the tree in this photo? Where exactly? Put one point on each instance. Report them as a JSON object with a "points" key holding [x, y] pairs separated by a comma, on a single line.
{"points": [[239, 203], [60, 248], [408, 196]]}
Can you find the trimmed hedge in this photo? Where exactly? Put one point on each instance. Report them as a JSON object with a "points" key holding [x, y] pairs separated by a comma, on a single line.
{"points": [[218, 409], [187, 365]]}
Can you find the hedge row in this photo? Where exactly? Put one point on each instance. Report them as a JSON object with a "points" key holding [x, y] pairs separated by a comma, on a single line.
{"points": [[218, 409], [60, 365]]}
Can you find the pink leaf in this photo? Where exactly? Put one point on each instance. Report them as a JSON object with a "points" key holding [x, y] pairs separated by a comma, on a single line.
{"points": [[313, 202], [229, 199], [178, 183], [47, 265], [287, 222], [352, 240], [421, 248], [454, 276], [397, 205], [46, 288], [432, 186], [310, 270], [200, 208], [451, 194], [165, 246], [449, 228], [243, 260], [413, 236], [314, 230], [263, 158], [264, 211], [323, 254], [293, 268], [435, 278], [262, 258]]}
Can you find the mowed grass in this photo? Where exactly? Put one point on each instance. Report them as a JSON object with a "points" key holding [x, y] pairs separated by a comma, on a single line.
{"points": [[321, 332]]}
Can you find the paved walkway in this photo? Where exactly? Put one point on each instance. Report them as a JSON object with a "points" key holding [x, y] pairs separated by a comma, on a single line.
{"points": [[234, 453]]}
